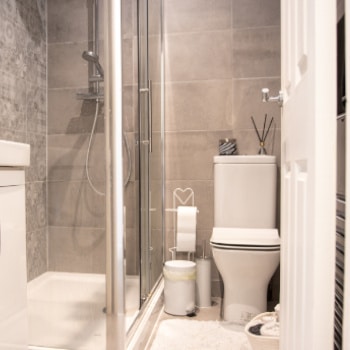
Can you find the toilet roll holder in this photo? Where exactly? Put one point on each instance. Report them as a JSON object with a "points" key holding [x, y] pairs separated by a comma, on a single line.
{"points": [[180, 197]]}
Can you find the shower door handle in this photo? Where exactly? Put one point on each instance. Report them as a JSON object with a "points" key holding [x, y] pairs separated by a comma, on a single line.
{"points": [[148, 89], [150, 117]]}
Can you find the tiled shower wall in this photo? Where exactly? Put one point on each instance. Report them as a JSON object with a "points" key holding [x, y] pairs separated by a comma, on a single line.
{"points": [[76, 214], [218, 56], [23, 110]]}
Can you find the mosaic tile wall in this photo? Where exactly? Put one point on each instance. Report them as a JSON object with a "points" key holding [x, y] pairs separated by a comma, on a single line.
{"points": [[23, 114]]}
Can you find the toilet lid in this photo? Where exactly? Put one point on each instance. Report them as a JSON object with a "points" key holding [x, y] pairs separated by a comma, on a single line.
{"points": [[245, 238]]}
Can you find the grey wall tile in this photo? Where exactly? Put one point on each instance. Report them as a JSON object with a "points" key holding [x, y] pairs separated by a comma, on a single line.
{"points": [[190, 154], [36, 253], [130, 192], [155, 159], [69, 20], [247, 102], [132, 252], [196, 56], [196, 15], [256, 52], [12, 35], [217, 288], [8, 9], [248, 142], [35, 69], [14, 61], [31, 16], [68, 154], [37, 168], [63, 106], [12, 135], [129, 18], [77, 249], [68, 115], [156, 194], [199, 105], [36, 206], [12, 102], [255, 13], [154, 58], [63, 60], [130, 108], [129, 60], [154, 17], [73, 203], [36, 109]]}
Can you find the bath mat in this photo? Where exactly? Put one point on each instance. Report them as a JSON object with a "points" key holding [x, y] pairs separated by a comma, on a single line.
{"points": [[198, 335]]}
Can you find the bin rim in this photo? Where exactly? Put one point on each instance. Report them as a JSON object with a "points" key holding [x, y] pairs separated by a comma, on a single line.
{"points": [[179, 265]]}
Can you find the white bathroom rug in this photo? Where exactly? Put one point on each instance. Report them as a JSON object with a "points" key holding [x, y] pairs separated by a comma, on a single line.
{"points": [[198, 335]]}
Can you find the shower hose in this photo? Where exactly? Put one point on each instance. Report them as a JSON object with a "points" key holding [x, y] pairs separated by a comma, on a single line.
{"points": [[125, 141]]}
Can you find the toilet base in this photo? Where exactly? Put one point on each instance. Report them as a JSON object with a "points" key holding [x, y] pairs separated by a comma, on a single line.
{"points": [[239, 313], [245, 276]]}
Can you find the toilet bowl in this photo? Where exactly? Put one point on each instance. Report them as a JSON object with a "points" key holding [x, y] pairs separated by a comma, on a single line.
{"points": [[246, 259]]}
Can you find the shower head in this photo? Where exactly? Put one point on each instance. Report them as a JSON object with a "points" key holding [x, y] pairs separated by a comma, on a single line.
{"points": [[91, 56]]}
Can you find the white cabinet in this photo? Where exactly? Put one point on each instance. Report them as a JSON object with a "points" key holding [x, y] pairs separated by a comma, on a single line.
{"points": [[13, 270]]}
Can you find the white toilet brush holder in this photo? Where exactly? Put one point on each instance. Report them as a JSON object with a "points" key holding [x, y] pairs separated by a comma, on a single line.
{"points": [[203, 282]]}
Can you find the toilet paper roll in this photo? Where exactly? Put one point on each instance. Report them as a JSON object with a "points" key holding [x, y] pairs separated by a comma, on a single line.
{"points": [[186, 229]]}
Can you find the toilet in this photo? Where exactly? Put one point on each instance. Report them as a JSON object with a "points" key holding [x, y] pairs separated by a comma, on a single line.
{"points": [[245, 242]]}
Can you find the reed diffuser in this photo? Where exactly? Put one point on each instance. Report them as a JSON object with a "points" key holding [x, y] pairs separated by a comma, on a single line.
{"points": [[263, 136]]}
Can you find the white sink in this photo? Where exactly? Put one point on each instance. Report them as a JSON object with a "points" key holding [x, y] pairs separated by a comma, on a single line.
{"points": [[14, 153]]}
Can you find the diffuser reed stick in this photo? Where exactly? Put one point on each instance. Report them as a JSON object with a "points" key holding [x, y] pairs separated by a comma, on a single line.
{"points": [[263, 136]]}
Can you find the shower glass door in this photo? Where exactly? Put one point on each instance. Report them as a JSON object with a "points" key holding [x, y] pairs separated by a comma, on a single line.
{"points": [[150, 142]]}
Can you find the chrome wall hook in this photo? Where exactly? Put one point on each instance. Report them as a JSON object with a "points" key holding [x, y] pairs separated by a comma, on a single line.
{"points": [[265, 93]]}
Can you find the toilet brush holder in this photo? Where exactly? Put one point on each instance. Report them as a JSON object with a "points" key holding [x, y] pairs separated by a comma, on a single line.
{"points": [[203, 282]]}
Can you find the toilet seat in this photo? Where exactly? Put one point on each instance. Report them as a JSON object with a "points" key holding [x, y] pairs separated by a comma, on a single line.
{"points": [[245, 239]]}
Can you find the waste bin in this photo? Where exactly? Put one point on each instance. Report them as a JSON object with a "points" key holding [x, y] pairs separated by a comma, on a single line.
{"points": [[179, 287]]}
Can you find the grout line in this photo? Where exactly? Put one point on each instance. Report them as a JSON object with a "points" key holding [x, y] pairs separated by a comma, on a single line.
{"points": [[224, 30]]}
